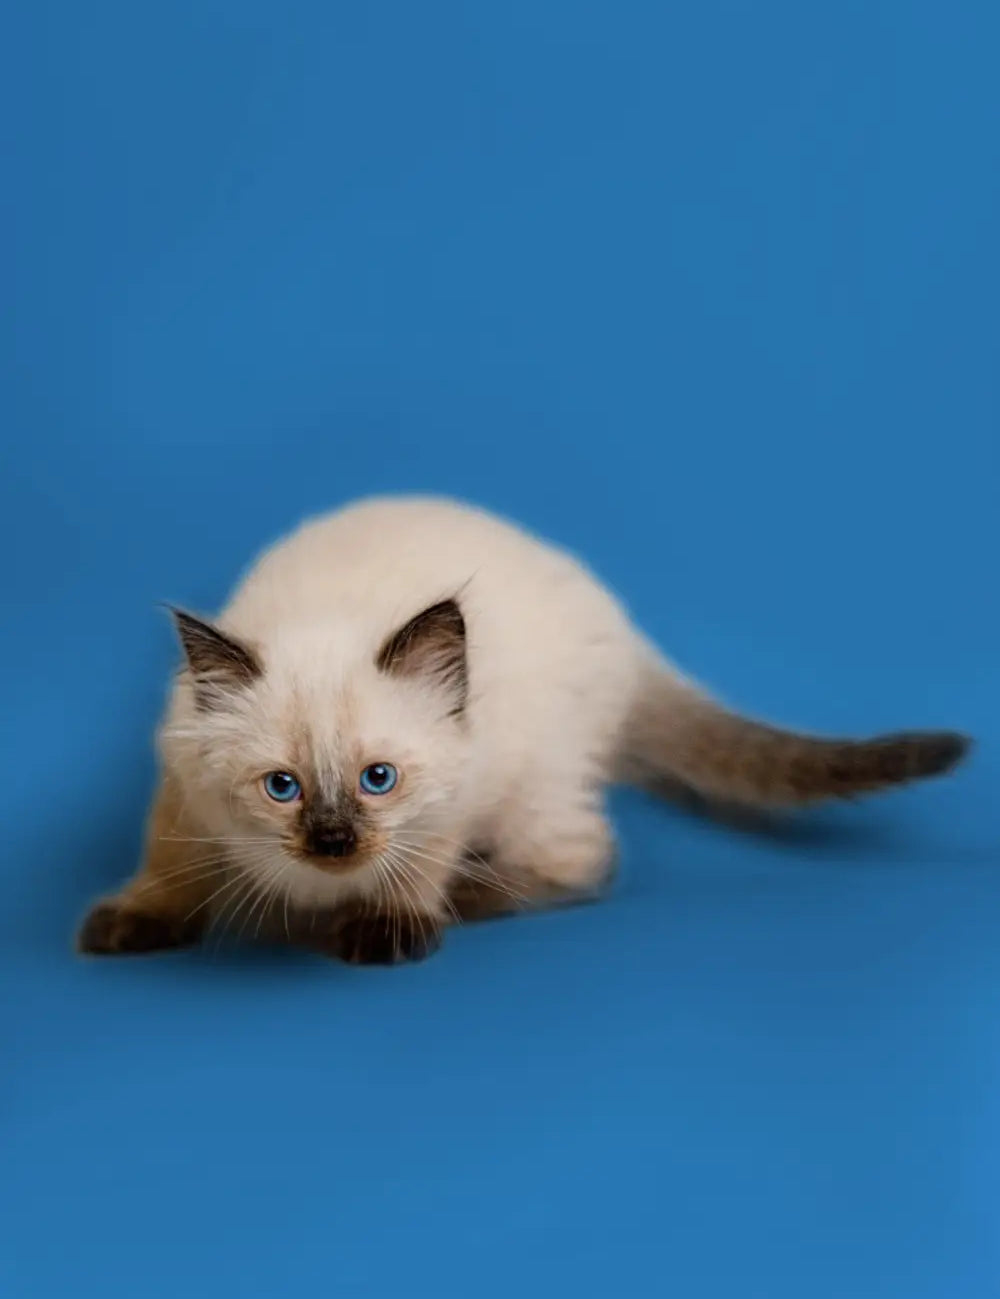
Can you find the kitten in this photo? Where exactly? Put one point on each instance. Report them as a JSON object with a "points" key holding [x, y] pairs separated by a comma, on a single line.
{"points": [[407, 715]]}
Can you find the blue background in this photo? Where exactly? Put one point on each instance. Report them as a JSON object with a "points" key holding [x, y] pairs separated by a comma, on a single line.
{"points": [[707, 291]]}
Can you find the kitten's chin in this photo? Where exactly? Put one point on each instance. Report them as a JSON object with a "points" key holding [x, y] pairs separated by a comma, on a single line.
{"points": [[311, 885]]}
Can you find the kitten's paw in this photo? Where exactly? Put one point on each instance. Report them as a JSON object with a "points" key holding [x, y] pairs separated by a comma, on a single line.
{"points": [[114, 929], [380, 939]]}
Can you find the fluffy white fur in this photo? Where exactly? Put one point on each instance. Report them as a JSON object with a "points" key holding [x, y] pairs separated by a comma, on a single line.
{"points": [[553, 668], [562, 695]]}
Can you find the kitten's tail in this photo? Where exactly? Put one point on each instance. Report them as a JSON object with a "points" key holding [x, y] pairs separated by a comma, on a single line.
{"points": [[677, 736]]}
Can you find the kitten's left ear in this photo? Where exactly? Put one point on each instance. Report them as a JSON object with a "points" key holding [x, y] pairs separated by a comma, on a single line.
{"points": [[215, 658], [432, 646]]}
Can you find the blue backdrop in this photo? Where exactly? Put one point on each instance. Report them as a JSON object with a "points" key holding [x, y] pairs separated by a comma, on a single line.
{"points": [[707, 291]]}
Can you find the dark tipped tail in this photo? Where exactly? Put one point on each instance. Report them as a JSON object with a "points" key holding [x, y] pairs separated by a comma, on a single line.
{"points": [[677, 736]]}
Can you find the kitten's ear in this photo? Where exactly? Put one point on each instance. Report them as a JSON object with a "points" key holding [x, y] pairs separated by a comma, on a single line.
{"points": [[432, 646], [215, 659]]}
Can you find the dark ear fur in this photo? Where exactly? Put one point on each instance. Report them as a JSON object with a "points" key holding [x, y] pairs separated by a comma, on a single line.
{"points": [[431, 645], [215, 659]]}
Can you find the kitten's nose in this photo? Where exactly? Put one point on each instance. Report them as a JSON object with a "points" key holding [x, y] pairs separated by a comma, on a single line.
{"points": [[333, 841]]}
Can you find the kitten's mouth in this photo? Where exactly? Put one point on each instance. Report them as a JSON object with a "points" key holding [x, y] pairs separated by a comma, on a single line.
{"points": [[329, 864], [327, 867], [337, 857]]}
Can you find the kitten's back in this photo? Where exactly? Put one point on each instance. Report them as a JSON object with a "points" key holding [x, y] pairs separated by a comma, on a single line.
{"points": [[551, 652]]}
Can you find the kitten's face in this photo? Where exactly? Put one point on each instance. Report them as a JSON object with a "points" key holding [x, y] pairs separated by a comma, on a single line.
{"points": [[336, 796], [334, 771]]}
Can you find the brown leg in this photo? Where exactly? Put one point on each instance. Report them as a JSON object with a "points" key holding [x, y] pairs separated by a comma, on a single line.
{"points": [[487, 896], [378, 938], [162, 906], [476, 899], [363, 934], [405, 922]]}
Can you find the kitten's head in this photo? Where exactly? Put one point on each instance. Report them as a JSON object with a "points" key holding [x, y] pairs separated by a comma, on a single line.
{"points": [[318, 748]]}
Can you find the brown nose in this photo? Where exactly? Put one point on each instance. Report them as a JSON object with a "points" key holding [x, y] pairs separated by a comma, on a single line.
{"points": [[333, 841]]}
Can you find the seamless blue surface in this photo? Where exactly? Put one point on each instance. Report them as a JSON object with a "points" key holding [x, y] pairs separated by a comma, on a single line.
{"points": [[706, 292]]}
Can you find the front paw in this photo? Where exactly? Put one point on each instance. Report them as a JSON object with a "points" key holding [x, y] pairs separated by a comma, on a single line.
{"points": [[381, 939], [114, 929]]}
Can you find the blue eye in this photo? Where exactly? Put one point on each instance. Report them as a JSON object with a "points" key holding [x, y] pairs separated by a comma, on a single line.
{"points": [[379, 778], [282, 786]]}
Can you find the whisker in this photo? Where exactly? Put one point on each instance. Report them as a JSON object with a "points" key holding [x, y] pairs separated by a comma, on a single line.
{"points": [[465, 854], [441, 893], [397, 912], [470, 870], [212, 896], [228, 912], [188, 874], [288, 894], [412, 888], [245, 905], [219, 838], [269, 897], [378, 869], [394, 890], [280, 888], [404, 874], [160, 884], [521, 901], [462, 847], [383, 902], [207, 864], [262, 889]]}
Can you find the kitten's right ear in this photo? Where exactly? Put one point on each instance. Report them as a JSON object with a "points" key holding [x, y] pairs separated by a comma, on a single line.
{"points": [[215, 658]]}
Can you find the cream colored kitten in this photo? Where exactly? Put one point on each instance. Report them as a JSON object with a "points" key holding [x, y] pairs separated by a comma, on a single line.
{"points": [[408, 713]]}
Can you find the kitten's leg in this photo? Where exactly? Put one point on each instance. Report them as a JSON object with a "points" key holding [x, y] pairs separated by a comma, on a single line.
{"points": [[400, 919], [481, 894], [369, 937], [164, 905], [555, 845]]}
